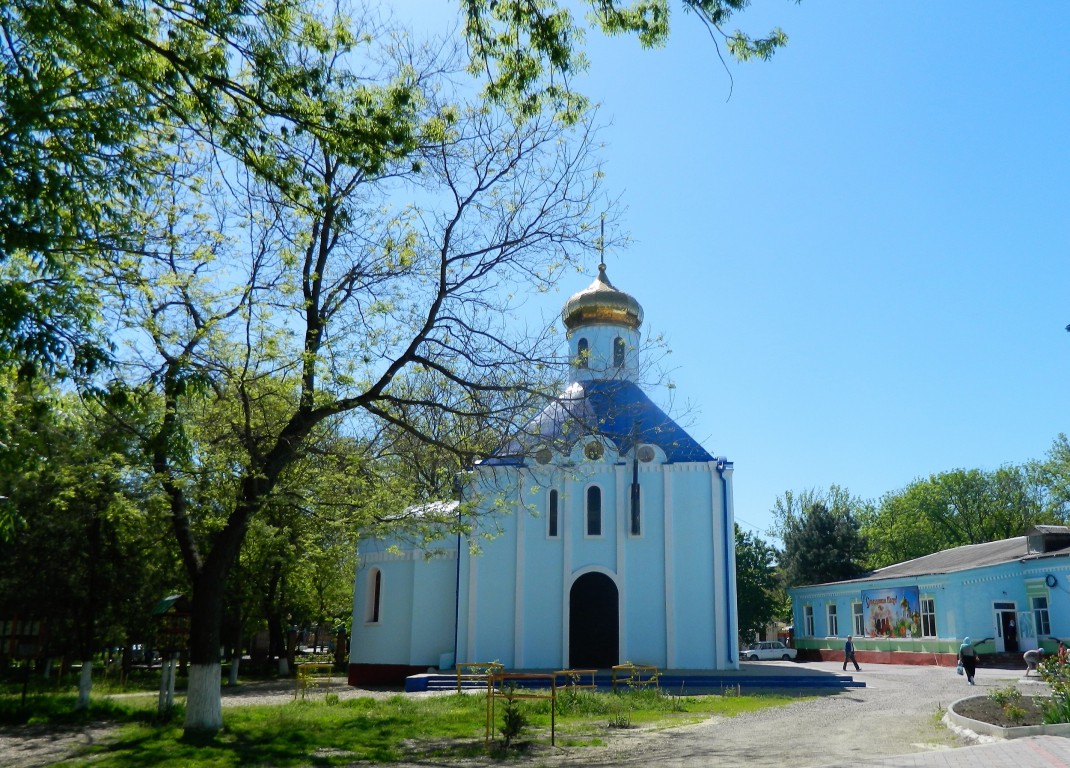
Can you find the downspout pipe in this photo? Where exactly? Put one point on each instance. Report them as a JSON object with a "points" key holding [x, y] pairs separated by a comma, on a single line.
{"points": [[731, 641], [458, 486]]}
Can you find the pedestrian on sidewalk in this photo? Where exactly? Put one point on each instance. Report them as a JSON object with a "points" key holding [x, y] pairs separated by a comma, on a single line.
{"points": [[1032, 658], [968, 659], [849, 655]]}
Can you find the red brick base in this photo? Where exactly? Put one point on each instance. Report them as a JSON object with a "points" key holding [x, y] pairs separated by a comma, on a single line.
{"points": [[381, 674], [882, 657]]}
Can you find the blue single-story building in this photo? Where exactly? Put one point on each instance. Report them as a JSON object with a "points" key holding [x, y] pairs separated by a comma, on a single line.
{"points": [[1007, 596]]}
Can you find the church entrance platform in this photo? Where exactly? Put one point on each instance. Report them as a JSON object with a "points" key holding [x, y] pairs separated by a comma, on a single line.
{"points": [[751, 676]]}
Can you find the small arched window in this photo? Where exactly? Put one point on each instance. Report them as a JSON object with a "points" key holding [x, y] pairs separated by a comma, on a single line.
{"points": [[583, 353], [375, 590], [618, 352], [594, 511], [551, 515]]}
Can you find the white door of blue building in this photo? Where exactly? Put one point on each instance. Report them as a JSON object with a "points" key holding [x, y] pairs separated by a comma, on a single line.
{"points": [[1006, 616]]}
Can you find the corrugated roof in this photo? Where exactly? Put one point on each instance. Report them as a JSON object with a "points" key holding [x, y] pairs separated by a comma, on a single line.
{"points": [[612, 408], [962, 559]]}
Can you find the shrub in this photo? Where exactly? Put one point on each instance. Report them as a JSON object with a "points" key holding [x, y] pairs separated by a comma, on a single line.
{"points": [[1055, 673], [514, 721]]}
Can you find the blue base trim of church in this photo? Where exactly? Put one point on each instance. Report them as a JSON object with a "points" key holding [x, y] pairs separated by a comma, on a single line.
{"points": [[685, 682]]}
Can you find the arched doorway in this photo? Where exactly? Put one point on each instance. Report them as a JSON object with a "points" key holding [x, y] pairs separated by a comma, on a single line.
{"points": [[593, 622]]}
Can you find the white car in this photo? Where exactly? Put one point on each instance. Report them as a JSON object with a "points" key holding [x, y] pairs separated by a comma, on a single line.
{"points": [[768, 649]]}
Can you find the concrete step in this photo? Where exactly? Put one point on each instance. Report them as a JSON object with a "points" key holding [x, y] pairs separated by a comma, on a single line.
{"points": [[669, 682]]}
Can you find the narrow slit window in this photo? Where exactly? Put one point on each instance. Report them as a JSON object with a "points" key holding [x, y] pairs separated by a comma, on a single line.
{"points": [[594, 511], [583, 353], [618, 352], [551, 515], [636, 515], [375, 584]]}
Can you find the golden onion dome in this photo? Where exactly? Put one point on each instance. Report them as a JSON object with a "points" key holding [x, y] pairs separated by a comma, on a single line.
{"points": [[601, 303]]}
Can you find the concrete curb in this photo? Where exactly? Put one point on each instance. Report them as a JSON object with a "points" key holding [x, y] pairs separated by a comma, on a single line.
{"points": [[1017, 732]]}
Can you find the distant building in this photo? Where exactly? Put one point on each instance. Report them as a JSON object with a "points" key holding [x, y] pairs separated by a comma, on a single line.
{"points": [[614, 541], [1007, 596]]}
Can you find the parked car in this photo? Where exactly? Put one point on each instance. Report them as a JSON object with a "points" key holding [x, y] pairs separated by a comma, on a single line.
{"points": [[768, 649]]}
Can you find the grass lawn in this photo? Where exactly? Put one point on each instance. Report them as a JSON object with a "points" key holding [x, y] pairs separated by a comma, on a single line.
{"points": [[327, 732]]}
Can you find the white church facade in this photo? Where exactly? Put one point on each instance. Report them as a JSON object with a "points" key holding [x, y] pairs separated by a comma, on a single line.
{"points": [[613, 537]]}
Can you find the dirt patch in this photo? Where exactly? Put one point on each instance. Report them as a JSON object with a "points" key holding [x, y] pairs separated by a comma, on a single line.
{"points": [[35, 746], [1027, 711]]}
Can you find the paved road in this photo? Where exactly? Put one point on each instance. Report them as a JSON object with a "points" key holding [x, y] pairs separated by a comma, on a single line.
{"points": [[895, 721]]}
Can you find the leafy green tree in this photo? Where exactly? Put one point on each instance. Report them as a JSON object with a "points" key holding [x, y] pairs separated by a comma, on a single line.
{"points": [[84, 81], [822, 540], [961, 507], [758, 598], [1053, 476], [244, 213], [276, 293], [87, 558]]}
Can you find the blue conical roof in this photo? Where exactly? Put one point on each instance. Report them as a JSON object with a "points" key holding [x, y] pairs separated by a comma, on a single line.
{"points": [[612, 408]]}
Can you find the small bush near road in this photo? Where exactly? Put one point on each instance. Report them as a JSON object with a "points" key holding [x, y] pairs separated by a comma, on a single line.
{"points": [[1056, 673]]}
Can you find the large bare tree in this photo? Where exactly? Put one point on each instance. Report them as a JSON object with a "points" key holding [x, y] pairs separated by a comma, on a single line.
{"points": [[301, 281]]}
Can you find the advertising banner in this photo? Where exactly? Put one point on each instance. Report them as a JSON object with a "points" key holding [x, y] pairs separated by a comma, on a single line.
{"points": [[892, 612]]}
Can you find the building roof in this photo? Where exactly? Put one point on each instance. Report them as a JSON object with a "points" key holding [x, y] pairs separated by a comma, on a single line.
{"points": [[601, 302], [961, 558], [612, 408]]}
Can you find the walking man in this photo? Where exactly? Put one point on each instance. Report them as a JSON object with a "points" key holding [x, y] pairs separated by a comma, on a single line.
{"points": [[849, 655]]}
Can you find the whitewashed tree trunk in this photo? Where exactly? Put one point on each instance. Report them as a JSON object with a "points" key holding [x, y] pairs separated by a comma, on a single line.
{"points": [[284, 666], [85, 685], [167, 685], [233, 678], [204, 708]]}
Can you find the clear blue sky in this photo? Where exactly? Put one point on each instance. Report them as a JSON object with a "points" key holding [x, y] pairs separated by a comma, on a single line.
{"points": [[861, 260]]}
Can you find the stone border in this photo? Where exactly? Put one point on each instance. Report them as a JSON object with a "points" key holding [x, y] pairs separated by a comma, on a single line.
{"points": [[1017, 732]]}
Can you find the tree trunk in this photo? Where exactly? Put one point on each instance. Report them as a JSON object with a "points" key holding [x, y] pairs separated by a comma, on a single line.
{"points": [[204, 705], [232, 680], [204, 710], [85, 685]]}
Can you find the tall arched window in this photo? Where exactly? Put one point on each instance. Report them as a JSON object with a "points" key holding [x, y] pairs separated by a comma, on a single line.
{"points": [[375, 590], [551, 515], [618, 352], [583, 353], [594, 511]]}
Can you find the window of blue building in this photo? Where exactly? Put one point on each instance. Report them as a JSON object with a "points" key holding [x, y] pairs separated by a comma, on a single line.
{"points": [[375, 590], [551, 515], [594, 511], [928, 617], [808, 620], [858, 620], [583, 353], [833, 620], [1040, 615], [618, 352]]}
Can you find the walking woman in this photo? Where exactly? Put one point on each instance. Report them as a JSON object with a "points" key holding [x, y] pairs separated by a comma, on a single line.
{"points": [[968, 659]]}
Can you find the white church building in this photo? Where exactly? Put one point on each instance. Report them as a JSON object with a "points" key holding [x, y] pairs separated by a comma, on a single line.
{"points": [[613, 537]]}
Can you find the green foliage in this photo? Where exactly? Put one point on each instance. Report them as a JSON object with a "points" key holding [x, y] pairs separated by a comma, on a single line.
{"points": [[822, 537], [1008, 695], [759, 597], [88, 556], [228, 186], [1056, 673], [394, 729], [530, 51], [514, 721], [961, 507]]}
